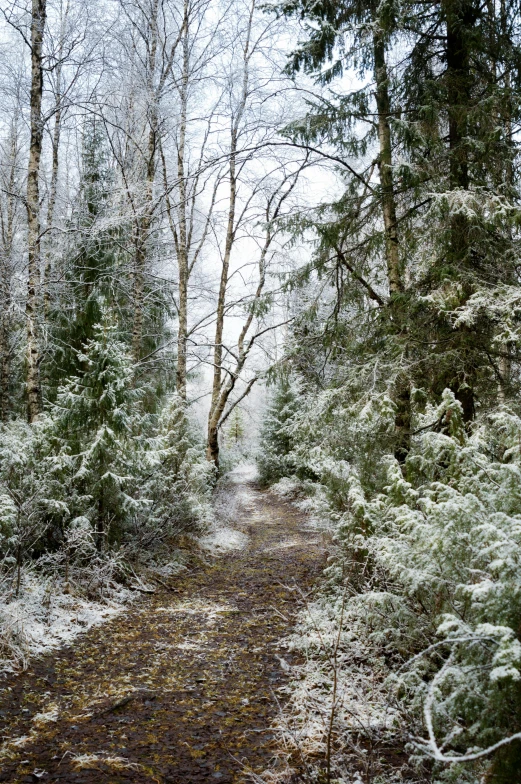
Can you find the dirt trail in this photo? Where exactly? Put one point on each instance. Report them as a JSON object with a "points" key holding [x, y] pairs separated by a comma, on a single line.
{"points": [[182, 688]]}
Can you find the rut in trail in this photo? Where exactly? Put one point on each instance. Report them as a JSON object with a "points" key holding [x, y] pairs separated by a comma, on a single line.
{"points": [[183, 687]]}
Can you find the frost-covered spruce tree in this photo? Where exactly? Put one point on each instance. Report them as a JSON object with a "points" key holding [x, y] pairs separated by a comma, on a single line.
{"points": [[88, 263], [180, 476], [34, 502], [275, 459], [446, 611], [97, 434], [426, 224]]}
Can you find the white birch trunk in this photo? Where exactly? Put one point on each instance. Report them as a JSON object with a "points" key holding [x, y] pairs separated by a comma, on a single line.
{"points": [[33, 207]]}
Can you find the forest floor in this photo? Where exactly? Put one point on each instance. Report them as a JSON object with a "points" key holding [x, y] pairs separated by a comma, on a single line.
{"points": [[182, 687]]}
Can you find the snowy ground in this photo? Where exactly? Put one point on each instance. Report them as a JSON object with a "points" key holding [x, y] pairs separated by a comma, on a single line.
{"points": [[196, 667], [233, 499], [43, 618], [222, 540]]}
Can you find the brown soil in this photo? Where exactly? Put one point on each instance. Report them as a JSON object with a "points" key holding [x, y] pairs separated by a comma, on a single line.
{"points": [[183, 686]]}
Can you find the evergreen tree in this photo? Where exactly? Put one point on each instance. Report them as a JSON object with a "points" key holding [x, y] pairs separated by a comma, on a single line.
{"points": [[96, 268], [93, 265], [408, 252], [276, 458], [181, 476], [97, 435], [408, 351]]}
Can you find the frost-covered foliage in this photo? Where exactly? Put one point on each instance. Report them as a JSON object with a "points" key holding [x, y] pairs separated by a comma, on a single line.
{"points": [[449, 538], [180, 476], [339, 708], [320, 436], [96, 430], [275, 458], [428, 568], [405, 334], [93, 488], [96, 463]]}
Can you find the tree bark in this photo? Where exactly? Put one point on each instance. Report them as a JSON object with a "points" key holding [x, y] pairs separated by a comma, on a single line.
{"points": [[457, 16], [144, 220], [33, 207], [402, 396], [54, 184], [505, 364], [50, 210], [182, 243], [459, 20], [383, 105], [7, 234], [215, 405]]}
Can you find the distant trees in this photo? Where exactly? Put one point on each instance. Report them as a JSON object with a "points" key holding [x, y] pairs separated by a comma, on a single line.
{"points": [[149, 164], [143, 199]]}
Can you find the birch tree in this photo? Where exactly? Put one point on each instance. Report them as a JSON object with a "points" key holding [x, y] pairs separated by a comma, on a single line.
{"points": [[38, 21], [10, 228], [248, 137], [189, 173]]}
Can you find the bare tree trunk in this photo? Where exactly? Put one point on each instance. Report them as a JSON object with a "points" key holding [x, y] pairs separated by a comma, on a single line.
{"points": [[33, 207], [505, 364], [50, 210], [7, 235], [383, 106], [402, 397], [221, 407], [5, 354], [182, 244], [54, 185], [5, 349], [219, 403], [212, 452], [459, 17], [144, 221]]}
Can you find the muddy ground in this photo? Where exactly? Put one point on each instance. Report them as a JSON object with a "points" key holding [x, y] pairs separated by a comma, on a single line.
{"points": [[184, 686]]}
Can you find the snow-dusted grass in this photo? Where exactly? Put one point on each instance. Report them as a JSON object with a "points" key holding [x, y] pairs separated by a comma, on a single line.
{"points": [[337, 696], [197, 607], [93, 761], [232, 500], [224, 539], [43, 617]]}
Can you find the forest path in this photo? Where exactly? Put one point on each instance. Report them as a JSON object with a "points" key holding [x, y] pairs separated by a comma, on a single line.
{"points": [[182, 687]]}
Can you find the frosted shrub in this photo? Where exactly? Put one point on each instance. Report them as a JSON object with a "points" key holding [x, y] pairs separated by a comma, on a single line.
{"points": [[32, 498], [431, 555], [448, 540], [275, 459], [180, 476], [94, 483]]}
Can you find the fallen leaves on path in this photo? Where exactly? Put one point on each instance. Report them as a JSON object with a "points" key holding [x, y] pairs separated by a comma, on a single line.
{"points": [[183, 687]]}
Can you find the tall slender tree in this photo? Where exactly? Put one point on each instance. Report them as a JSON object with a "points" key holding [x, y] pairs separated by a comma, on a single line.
{"points": [[38, 20]]}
